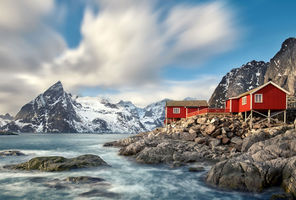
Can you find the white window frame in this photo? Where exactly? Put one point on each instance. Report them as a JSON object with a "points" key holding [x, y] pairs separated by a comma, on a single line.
{"points": [[244, 100], [176, 110], [260, 99]]}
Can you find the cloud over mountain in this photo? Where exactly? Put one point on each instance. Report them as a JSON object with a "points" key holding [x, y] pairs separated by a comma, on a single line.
{"points": [[124, 46]]}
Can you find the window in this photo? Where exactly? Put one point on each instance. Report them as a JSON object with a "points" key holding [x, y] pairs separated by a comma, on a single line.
{"points": [[176, 110], [258, 98], [244, 100]]}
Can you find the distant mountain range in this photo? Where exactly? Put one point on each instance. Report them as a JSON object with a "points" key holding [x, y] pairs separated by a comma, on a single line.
{"points": [[281, 69], [56, 111]]}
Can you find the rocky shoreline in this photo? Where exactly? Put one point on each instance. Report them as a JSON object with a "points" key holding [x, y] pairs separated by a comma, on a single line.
{"points": [[241, 158]]}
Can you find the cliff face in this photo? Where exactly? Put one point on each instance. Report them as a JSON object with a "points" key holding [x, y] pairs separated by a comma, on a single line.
{"points": [[237, 81], [281, 69]]}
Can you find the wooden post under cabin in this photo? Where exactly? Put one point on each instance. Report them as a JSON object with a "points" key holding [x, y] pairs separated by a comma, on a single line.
{"points": [[251, 121], [285, 116], [166, 118], [268, 118], [245, 116]]}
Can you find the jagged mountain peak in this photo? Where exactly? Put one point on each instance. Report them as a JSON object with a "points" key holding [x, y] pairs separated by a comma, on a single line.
{"points": [[57, 86], [290, 42], [7, 116], [56, 111]]}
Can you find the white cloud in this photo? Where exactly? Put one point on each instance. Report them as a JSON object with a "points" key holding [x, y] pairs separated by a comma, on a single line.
{"points": [[124, 46], [26, 42], [199, 88], [127, 43]]}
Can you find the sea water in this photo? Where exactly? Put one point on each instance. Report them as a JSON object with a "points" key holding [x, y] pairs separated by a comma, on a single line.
{"points": [[127, 178]]}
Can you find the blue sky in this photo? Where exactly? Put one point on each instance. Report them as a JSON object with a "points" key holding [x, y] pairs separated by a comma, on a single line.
{"points": [[264, 25], [137, 50]]}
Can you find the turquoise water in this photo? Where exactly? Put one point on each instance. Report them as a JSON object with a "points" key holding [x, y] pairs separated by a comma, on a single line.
{"points": [[128, 179]]}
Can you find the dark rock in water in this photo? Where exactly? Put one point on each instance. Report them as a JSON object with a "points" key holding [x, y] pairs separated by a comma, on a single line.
{"points": [[7, 133], [100, 193], [281, 197], [196, 169], [84, 180], [11, 153], [58, 163]]}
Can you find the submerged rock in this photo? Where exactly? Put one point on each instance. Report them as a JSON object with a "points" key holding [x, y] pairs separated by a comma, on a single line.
{"points": [[83, 180], [196, 169], [58, 163], [100, 193], [7, 133], [11, 153]]}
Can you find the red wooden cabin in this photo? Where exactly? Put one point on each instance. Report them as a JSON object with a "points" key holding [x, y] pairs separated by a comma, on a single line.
{"points": [[175, 110], [262, 100], [269, 96]]}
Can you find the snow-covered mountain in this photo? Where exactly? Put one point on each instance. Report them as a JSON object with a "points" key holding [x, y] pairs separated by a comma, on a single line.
{"points": [[56, 111], [5, 119], [281, 69]]}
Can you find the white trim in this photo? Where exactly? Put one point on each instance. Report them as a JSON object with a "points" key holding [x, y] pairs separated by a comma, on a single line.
{"points": [[175, 111], [270, 82], [262, 86], [261, 98], [244, 100]]}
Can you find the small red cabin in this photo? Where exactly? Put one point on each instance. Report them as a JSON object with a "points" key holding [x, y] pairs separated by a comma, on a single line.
{"points": [[269, 96], [175, 110]]}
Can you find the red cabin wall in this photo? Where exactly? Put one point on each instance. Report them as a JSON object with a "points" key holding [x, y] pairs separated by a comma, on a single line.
{"points": [[170, 113], [235, 105], [273, 99], [182, 113], [246, 107]]}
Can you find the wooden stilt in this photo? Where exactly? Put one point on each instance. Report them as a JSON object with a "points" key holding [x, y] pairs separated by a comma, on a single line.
{"points": [[245, 116], [285, 116], [268, 118], [251, 121]]}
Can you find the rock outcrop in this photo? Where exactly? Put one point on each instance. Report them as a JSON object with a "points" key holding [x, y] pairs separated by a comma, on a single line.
{"points": [[58, 163], [267, 161], [11, 153], [200, 138], [244, 159]]}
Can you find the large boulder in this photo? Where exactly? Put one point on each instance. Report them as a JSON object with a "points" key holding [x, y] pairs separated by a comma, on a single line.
{"points": [[266, 163], [11, 153], [58, 163]]}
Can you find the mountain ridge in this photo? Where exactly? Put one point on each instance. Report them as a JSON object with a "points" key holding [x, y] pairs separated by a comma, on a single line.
{"points": [[56, 111]]}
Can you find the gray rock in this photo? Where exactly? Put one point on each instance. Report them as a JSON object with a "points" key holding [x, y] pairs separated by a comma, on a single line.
{"points": [[196, 169], [11, 153], [254, 138], [58, 163], [266, 163], [214, 142], [210, 129], [201, 120]]}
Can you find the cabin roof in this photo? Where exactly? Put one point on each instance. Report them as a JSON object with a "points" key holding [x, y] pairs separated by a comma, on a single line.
{"points": [[259, 88], [193, 103]]}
